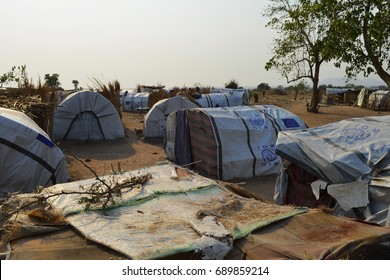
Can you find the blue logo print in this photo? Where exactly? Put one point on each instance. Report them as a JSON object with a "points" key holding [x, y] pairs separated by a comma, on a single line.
{"points": [[268, 155], [256, 121], [354, 134]]}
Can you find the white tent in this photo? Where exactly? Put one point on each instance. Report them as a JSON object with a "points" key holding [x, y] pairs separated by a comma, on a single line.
{"points": [[224, 98], [86, 115], [28, 158], [155, 119], [131, 100], [379, 100], [229, 142]]}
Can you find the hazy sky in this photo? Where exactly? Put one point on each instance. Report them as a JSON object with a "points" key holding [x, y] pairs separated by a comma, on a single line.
{"points": [[167, 42]]}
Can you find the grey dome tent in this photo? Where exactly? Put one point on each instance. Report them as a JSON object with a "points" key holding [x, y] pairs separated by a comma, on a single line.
{"points": [[132, 101], [28, 158], [155, 119], [86, 115], [224, 98]]}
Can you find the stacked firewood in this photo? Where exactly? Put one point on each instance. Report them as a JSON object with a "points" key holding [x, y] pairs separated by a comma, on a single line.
{"points": [[39, 107]]}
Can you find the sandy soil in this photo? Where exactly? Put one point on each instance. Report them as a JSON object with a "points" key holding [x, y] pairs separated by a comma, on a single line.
{"points": [[133, 152]]}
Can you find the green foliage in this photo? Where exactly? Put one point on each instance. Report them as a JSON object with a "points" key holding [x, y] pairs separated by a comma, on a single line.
{"points": [[17, 74], [21, 77], [75, 84], [52, 80], [233, 84], [304, 38], [300, 86], [263, 86], [304, 42], [362, 31], [7, 77], [322, 87]]}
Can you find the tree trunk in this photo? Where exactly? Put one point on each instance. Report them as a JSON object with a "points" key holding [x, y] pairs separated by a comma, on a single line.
{"points": [[313, 107]]}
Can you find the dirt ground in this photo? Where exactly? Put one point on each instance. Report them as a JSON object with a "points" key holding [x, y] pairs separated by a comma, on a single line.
{"points": [[134, 152]]}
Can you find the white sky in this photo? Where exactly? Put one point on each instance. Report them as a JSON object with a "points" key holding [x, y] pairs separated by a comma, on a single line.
{"points": [[167, 42]]}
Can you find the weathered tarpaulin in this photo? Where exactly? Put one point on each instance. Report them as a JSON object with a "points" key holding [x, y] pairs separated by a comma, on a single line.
{"points": [[349, 158], [168, 215]]}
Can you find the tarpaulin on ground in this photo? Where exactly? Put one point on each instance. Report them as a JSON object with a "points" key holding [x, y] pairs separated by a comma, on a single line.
{"points": [[315, 235], [169, 214], [312, 235]]}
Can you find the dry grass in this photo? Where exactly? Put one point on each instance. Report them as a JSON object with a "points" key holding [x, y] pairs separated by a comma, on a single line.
{"points": [[110, 91], [156, 96]]}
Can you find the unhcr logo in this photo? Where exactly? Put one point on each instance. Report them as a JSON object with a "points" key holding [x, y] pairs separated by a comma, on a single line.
{"points": [[353, 135]]}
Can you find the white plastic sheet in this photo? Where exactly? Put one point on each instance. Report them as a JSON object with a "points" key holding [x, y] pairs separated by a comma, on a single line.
{"points": [[167, 216]]}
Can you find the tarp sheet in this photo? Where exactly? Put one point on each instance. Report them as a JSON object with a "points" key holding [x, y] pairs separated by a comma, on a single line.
{"points": [[168, 215], [28, 157], [362, 97], [346, 155], [315, 235]]}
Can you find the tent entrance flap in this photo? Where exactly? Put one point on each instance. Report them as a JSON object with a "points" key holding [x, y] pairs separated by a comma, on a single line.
{"points": [[86, 125], [87, 115]]}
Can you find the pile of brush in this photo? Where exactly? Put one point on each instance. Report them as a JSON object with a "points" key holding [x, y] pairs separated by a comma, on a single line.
{"points": [[37, 103], [155, 96]]}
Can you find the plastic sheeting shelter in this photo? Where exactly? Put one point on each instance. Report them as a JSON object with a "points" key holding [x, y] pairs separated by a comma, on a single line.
{"points": [[28, 158], [132, 101], [224, 98], [379, 100], [349, 161], [230, 142], [86, 115], [155, 119], [362, 99]]}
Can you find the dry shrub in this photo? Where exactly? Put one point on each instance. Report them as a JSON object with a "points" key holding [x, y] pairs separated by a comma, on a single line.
{"points": [[192, 93], [155, 96], [43, 112], [111, 92]]}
